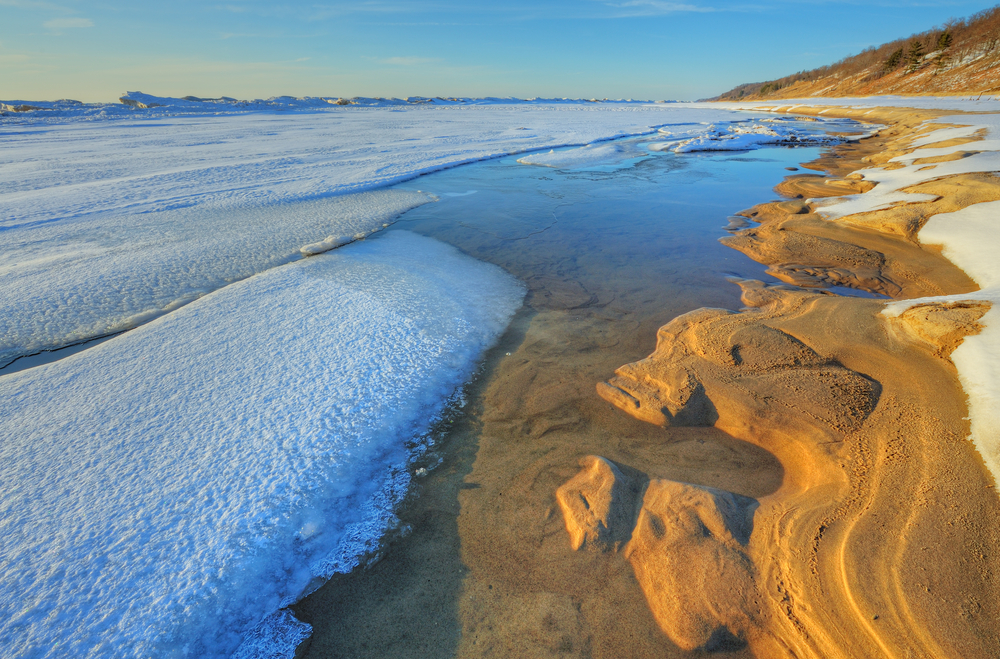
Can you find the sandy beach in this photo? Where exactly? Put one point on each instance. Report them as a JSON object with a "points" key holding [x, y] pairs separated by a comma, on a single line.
{"points": [[789, 479]]}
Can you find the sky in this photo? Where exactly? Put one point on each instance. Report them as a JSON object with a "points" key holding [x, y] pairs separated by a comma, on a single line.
{"points": [[97, 50]]}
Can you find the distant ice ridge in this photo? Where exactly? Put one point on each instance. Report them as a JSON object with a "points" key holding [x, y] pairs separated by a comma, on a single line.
{"points": [[151, 105], [165, 491]]}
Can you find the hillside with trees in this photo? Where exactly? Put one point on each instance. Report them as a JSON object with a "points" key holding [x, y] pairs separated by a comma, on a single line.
{"points": [[960, 57]]}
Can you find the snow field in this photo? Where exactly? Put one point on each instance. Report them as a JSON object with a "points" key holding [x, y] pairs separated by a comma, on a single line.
{"points": [[167, 490], [64, 282], [106, 222]]}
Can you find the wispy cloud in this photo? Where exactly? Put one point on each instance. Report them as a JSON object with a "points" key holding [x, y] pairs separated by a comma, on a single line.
{"points": [[656, 7], [67, 23], [407, 61]]}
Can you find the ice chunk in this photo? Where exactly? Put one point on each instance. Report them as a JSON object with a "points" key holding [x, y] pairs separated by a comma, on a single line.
{"points": [[165, 491]]}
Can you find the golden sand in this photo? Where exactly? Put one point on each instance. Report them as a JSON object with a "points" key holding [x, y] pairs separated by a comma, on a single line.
{"points": [[787, 480]]}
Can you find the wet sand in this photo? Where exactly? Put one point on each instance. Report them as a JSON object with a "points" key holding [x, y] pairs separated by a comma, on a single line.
{"points": [[831, 505]]}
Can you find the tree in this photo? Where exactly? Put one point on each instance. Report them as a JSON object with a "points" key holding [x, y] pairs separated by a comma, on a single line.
{"points": [[894, 59], [915, 56], [944, 40]]}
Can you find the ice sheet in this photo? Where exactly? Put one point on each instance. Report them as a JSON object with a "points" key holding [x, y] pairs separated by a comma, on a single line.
{"points": [[62, 282], [746, 136], [586, 156], [110, 217], [166, 490]]}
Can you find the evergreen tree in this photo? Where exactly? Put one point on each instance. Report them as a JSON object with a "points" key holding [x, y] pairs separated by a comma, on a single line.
{"points": [[914, 57], [893, 61], [944, 41]]}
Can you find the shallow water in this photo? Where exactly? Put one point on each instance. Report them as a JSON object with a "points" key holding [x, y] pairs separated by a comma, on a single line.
{"points": [[609, 254]]}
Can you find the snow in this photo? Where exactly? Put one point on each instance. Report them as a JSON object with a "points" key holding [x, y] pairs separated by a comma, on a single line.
{"points": [[744, 137], [168, 489], [64, 282], [585, 156], [892, 182], [112, 216]]}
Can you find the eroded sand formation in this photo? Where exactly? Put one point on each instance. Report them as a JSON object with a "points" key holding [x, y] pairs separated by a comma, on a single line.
{"points": [[686, 544], [881, 541]]}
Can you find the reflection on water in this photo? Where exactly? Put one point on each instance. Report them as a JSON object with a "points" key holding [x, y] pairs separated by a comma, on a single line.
{"points": [[609, 253]]}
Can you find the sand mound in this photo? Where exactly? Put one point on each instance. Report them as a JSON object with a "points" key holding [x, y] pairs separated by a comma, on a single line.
{"points": [[599, 505], [687, 548], [814, 185], [941, 326], [954, 193], [712, 362]]}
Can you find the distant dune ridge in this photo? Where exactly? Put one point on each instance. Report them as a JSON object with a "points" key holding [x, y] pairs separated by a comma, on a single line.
{"points": [[959, 57]]}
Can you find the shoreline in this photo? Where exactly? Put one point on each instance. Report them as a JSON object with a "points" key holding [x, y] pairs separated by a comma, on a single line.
{"points": [[842, 551], [889, 477]]}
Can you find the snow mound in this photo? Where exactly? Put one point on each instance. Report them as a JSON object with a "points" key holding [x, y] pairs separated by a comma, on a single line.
{"points": [[66, 282], [167, 490]]}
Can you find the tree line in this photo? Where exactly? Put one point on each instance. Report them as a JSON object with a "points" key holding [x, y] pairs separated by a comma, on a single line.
{"points": [[945, 46]]}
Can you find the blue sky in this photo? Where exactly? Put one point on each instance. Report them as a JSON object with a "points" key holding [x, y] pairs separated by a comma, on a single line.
{"points": [[642, 49]]}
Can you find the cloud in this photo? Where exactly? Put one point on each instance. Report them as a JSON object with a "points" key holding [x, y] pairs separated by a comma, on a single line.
{"points": [[408, 61], [66, 23], [656, 7]]}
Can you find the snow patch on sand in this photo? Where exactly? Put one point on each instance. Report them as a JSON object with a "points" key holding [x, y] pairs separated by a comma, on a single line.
{"points": [[167, 490]]}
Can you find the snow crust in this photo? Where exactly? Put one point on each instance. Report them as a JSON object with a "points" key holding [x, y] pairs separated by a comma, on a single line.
{"points": [[109, 220], [167, 490], [743, 136], [62, 282]]}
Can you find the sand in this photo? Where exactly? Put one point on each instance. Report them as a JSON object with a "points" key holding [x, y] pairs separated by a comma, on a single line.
{"points": [[789, 479]]}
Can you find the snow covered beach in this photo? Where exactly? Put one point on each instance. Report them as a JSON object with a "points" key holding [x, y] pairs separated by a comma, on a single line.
{"points": [[250, 457], [259, 217]]}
